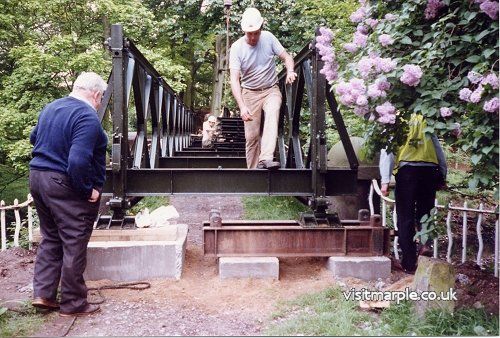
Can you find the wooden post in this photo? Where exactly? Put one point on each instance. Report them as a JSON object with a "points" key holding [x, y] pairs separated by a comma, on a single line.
{"points": [[18, 223], [3, 232], [30, 223], [220, 68]]}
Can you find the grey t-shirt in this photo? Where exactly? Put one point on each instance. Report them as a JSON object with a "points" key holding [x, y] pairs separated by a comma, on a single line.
{"points": [[256, 63]]}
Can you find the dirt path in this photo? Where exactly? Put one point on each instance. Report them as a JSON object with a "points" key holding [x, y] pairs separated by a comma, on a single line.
{"points": [[199, 303]]}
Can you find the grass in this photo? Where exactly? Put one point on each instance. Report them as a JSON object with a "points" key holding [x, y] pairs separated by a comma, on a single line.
{"points": [[401, 321], [22, 323], [275, 207], [150, 202], [327, 313]]}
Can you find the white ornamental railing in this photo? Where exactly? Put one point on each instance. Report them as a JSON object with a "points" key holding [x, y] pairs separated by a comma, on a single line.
{"points": [[17, 231], [450, 209]]}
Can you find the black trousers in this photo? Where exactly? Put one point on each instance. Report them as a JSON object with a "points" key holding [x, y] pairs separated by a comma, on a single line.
{"points": [[415, 194], [66, 222]]}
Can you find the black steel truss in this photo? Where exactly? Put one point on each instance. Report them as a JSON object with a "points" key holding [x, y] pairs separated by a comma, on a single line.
{"points": [[161, 162]]}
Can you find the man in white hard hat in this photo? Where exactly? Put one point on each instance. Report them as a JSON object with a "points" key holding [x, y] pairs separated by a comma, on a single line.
{"points": [[208, 131], [251, 61]]}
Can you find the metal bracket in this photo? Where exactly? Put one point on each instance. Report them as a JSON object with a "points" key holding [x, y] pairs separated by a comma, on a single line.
{"points": [[319, 219]]}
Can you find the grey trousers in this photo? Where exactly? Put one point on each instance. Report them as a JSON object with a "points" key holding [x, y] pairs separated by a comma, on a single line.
{"points": [[66, 222]]}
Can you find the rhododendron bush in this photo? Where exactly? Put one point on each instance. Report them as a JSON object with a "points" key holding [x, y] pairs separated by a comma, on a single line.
{"points": [[437, 58]]}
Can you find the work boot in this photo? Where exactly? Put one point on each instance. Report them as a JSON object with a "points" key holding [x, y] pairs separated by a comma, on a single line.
{"points": [[88, 310], [268, 164], [46, 304]]}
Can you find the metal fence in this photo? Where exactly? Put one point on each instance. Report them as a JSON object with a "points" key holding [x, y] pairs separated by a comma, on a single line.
{"points": [[465, 213], [16, 207]]}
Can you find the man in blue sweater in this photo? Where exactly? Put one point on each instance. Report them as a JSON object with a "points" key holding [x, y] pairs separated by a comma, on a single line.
{"points": [[67, 173]]}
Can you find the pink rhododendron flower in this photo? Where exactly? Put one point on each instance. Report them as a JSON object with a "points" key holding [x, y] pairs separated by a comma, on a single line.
{"points": [[490, 79], [382, 83], [464, 94], [490, 8], [374, 91], [342, 88], [387, 119], [365, 66], [359, 15], [390, 17], [384, 64], [492, 105], [362, 29], [361, 100], [475, 97], [371, 22], [351, 47], [324, 46], [385, 40], [445, 111], [347, 100], [361, 110], [358, 84], [432, 8], [385, 109], [411, 75], [474, 77], [360, 39]]}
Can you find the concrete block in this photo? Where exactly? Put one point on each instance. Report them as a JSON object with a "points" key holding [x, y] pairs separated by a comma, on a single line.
{"points": [[140, 257], [249, 267], [366, 268], [438, 276]]}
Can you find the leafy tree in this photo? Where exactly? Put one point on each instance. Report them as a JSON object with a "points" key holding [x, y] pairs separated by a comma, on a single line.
{"points": [[418, 56]]}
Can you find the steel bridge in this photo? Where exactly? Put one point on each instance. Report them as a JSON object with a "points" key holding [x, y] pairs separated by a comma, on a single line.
{"points": [[163, 160]]}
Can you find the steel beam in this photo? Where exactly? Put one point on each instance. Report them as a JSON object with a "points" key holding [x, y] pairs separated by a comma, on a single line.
{"points": [[283, 182], [288, 239], [203, 162]]}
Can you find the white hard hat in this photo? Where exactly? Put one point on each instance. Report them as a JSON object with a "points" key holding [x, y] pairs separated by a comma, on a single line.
{"points": [[212, 119], [251, 20]]}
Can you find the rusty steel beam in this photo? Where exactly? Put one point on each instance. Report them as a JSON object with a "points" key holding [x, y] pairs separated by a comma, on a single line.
{"points": [[288, 239]]}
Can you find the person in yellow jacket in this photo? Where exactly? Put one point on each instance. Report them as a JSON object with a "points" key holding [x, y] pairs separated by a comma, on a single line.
{"points": [[419, 168]]}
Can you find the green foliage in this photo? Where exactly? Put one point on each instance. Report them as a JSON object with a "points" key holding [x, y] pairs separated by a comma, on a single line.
{"points": [[432, 225], [400, 320], [458, 40], [275, 207], [320, 314], [327, 313], [46, 44]]}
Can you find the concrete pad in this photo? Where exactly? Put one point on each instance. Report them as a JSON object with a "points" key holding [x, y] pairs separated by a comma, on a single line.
{"points": [[366, 268], [249, 267], [137, 254]]}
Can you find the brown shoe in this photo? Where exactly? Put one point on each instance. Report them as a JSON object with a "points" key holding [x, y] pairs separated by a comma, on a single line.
{"points": [[88, 310], [43, 303]]}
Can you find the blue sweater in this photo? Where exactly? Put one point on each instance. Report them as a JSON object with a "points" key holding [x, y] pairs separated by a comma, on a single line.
{"points": [[69, 139]]}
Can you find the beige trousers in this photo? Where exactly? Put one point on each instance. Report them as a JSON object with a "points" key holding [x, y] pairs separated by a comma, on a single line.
{"points": [[261, 146]]}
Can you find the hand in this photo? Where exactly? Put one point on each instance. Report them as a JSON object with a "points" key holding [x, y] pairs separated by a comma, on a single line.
{"points": [[95, 196], [290, 77], [385, 189], [245, 114]]}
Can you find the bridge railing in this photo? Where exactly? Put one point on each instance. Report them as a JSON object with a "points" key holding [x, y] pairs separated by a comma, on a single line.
{"points": [[465, 212], [16, 208]]}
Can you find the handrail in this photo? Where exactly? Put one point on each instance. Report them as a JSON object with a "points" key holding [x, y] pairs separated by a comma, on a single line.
{"points": [[449, 208]]}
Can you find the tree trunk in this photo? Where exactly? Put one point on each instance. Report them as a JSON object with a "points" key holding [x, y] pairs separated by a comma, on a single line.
{"points": [[219, 75]]}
